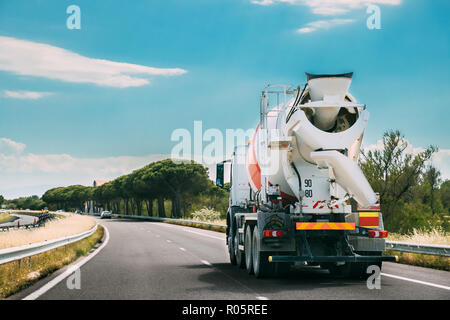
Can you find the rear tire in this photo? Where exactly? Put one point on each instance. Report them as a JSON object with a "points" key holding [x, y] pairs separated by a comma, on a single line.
{"points": [[231, 250], [240, 259], [261, 266], [248, 250]]}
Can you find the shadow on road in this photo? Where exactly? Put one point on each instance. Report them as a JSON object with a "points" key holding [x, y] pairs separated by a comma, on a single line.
{"points": [[297, 279]]}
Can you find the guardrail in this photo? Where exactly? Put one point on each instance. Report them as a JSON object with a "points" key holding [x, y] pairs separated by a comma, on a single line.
{"points": [[16, 253], [439, 250], [211, 225]]}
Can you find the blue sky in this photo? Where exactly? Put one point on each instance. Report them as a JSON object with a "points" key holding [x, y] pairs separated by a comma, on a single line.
{"points": [[217, 56]]}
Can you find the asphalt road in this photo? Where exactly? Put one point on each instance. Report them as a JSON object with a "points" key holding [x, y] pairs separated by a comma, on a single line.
{"points": [[149, 260], [22, 219]]}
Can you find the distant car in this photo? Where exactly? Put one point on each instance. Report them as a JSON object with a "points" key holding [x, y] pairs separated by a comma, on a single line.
{"points": [[79, 212], [59, 211], [105, 215]]}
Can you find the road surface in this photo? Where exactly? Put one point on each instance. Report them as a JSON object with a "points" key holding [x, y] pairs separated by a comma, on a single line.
{"points": [[22, 219], [150, 260]]}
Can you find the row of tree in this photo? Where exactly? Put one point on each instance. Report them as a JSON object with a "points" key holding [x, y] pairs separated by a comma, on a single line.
{"points": [[185, 185], [32, 203]]}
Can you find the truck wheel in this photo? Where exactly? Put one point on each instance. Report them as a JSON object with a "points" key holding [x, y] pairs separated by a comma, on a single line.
{"points": [[248, 250], [240, 259], [231, 250], [261, 266]]}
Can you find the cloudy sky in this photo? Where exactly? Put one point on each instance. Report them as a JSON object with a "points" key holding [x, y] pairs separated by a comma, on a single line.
{"points": [[97, 102]]}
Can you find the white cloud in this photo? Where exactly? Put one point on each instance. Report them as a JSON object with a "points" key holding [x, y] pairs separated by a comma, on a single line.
{"points": [[323, 24], [26, 174], [10, 147], [263, 2], [33, 95], [42, 60], [329, 7], [440, 159]]}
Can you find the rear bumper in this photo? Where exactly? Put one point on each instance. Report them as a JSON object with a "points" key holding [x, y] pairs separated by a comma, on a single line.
{"points": [[355, 258]]}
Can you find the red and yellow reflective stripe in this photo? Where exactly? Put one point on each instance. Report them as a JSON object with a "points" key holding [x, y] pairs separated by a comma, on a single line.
{"points": [[325, 226], [369, 219]]}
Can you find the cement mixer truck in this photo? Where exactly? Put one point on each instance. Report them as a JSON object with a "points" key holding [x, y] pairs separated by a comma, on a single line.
{"points": [[297, 195]]}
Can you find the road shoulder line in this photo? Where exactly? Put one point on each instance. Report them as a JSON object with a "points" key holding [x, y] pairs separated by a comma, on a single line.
{"points": [[36, 294], [416, 281]]}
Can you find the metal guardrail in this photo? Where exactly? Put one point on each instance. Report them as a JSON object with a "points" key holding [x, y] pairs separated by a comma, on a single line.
{"points": [[171, 220], [439, 250], [16, 253]]}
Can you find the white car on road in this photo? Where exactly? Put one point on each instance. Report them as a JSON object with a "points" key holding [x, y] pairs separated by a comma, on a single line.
{"points": [[105, 215]]}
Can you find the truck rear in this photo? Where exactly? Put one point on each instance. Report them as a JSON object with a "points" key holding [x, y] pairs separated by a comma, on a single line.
{"points": [[297, 193]]}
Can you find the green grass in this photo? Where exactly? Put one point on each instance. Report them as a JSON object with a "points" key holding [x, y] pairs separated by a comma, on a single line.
{"points": [[197, 225], [421, 260], [5, 217], [20, 274]]}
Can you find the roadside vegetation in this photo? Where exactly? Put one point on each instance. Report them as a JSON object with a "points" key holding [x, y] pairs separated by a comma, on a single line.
{"points": [[32, 203], [20, 274], [164, 188], [4, 217], [413, 196]]}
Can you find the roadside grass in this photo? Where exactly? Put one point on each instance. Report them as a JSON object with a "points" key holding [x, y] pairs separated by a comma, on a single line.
{"points": [[58, 228], [421, 260], [193, 224], [20, 274], [432, 236], [5, 217], [221, 222]]}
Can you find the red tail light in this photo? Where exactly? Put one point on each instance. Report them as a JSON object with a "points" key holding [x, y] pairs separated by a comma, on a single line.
{"points": [[378, 234], [273, 233]]}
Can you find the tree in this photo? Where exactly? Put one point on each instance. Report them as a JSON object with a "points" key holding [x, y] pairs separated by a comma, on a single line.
{"points": [[444, 192], [432, 178], [1, 200], [177, 180], [394, 173]]}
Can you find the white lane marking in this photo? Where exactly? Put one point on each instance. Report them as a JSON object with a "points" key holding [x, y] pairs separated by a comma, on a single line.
{"points": [[205, 235], [158, 236], [169, 241], [262, 298], [207, 263], [36, 294], [182, 249], [416, 281]]}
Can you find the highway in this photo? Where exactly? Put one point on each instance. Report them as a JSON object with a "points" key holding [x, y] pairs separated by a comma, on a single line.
{"points": [[22, 219], [150, 260]]}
